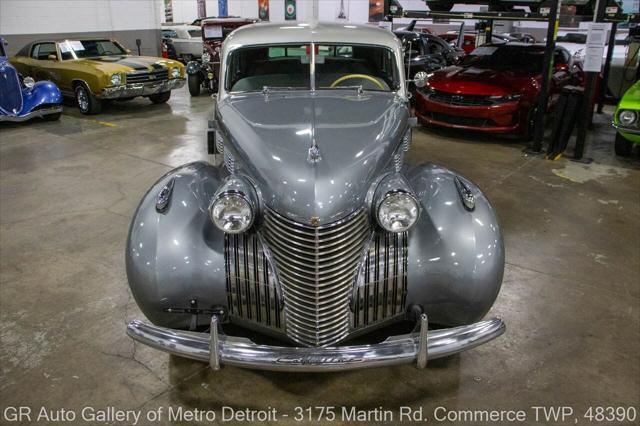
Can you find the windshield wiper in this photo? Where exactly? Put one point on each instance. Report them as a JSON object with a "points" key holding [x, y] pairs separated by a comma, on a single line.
{"points": [[268, 89], [358, 88]]}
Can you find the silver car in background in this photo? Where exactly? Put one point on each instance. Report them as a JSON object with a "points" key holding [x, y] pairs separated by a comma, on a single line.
{"points": [[313, 239], [186, 39]]}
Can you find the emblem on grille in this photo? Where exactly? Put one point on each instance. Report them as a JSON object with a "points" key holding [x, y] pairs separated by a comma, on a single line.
{"points": [[315, 220], [318, 360]]}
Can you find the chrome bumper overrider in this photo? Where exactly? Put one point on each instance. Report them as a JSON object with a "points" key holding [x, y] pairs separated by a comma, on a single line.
{"points": [[415, 347], [142, 89], [33, 114]]}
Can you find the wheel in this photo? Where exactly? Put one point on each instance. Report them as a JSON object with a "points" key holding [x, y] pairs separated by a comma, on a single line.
{"points": [[194, 84], [623, 146], [440, 6], [52, 117], [160, 98], [87, 103]]}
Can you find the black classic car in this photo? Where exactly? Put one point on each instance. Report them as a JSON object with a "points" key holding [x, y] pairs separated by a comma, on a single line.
{"points": [[426, 52]]}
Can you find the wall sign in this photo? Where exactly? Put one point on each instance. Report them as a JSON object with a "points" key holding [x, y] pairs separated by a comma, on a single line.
{"points": [[223, 9], [290, 10], [263, 10], [596, 39]]}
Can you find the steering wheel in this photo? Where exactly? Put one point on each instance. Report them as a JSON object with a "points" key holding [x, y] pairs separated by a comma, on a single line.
{"points": [[351, 76]]}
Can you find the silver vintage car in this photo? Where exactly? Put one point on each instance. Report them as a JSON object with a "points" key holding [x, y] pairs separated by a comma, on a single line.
{"points": [[313, 246]]}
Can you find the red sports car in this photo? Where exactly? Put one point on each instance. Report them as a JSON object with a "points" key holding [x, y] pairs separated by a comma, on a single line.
{"points": [[494, 89]]}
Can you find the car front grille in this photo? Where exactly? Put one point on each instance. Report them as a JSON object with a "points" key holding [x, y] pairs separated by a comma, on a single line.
{"points": [[252, 292], [317, 268], [147, 76], [460, 100], [381, 293], [10, 91], [463, 121]]}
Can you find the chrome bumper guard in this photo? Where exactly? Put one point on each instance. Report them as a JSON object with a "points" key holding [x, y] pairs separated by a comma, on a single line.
{"points": [[632, 130], [142, 89], [217, 348], [33, 114]]}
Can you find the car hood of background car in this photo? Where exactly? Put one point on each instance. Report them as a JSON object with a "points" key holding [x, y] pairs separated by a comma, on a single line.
{"points": [[112, 64], [356, 135], [479, 81]]}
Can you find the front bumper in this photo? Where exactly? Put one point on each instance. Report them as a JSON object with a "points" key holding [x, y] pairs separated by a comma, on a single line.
{"points": [[142, 89], [629, 130], [418, 347], [33, 114], [498, 118]]}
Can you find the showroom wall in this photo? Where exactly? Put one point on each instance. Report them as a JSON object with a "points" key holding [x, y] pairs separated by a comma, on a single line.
{"points": [[22, 21]]}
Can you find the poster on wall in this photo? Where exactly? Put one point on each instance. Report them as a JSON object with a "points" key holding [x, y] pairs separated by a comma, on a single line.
{"points": [[376, 10], [168, 10], [263, 10], [202, 8], [290, 10], [343, 10], [223, 10]]}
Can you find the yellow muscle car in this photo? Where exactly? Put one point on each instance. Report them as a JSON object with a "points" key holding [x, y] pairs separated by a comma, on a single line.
{"points": [[93, 70]]}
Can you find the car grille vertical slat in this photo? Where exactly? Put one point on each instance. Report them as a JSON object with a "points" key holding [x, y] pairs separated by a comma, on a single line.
{"points": [[317, 268], [251, 285], [382, 289]]}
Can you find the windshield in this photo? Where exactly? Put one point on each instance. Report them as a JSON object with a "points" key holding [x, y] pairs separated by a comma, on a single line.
{"points": [[514, 58], [572, 38], [89, 49], [195, 33], [289, 66]]}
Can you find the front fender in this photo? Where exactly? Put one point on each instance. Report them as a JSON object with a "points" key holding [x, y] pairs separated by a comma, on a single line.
{"points": [[42, 93], [177, 254], [456, 256], [193, 67]]}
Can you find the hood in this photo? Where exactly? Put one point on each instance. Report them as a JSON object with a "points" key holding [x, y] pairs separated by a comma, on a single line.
{"points": [[126, 63], [270, 137], [478, 81]]}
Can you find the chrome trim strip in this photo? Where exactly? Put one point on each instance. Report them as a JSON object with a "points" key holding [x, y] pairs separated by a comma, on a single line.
{"points": [[241, 352]]}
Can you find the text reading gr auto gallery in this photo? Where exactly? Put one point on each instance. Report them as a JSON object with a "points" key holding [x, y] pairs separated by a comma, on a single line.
{"points": [[327, 414]]}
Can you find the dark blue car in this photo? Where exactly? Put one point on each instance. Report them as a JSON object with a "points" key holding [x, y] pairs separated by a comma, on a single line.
{"points": [[23, 99]]}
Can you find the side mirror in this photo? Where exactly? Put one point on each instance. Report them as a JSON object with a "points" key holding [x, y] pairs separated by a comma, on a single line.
{"points": [[420, 79], [128, 51], [52, 57]]}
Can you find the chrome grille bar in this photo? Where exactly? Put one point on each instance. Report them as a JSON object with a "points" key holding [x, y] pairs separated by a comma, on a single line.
{"points": [[382, 285], [317, 269], [251, 283]]}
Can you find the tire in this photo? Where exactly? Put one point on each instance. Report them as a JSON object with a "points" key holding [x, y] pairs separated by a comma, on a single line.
{"points": [[160, 98], [52, 117], [87, 103], [623, 146], [194, 84], [440, 6]]}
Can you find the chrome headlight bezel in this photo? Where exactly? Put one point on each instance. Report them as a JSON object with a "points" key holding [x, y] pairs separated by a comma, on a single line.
{"points": [[115, 79], [206, 57], [28, 82], [242, 224], [175, 72], [386, 221], [627, 117]]}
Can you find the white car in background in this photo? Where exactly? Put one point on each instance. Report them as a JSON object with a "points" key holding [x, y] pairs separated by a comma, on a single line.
{"points": [[187, 40]]}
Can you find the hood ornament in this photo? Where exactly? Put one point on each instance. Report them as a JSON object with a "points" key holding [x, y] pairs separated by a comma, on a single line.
{"points": [[314, 154]]}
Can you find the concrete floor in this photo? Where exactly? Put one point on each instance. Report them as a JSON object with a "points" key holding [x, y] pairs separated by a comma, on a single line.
{"points": [[570, 297]]}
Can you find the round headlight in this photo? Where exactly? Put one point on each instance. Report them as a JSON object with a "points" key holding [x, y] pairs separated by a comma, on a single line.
{"points": [[627, 117], [206, 57], [398, 212], [116, 80], [28, 82], [175, 73], [231, 213]]}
